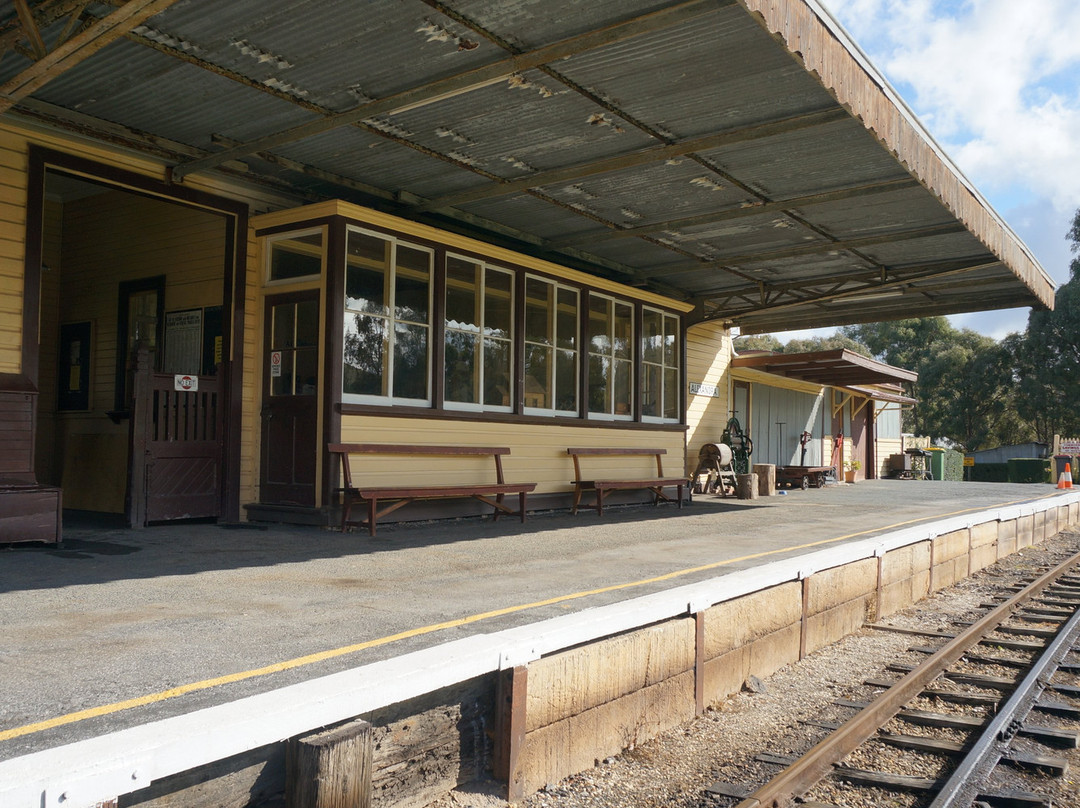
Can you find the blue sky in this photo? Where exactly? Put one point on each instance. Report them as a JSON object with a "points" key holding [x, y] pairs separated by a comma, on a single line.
{"points": [[997, 84]]}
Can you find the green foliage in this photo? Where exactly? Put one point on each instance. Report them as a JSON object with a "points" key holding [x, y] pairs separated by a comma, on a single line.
{"points": [[1046, 360], [989, 473], [768, 342], [954, 465], [965, 391], [758, 342], [1030, 470]]}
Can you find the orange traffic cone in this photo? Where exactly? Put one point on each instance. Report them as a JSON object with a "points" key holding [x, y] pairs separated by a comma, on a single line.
{"points": [[1065, 478]]}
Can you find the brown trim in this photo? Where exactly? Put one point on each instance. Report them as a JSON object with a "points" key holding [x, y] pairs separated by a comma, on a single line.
{"points": [[234, 312], [302, 224], [107, 175], [438, 346], [430, 414], [40, 160], [466, 253], [637, 363], [521, 281], [684, 376], [333, 349], [35, 223]]}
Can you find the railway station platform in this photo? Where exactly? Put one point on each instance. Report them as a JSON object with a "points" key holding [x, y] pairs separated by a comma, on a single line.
{"points": [[131, 659]]}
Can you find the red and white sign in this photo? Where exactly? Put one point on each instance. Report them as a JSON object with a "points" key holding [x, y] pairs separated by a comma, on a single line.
{"points": [[185, 384], [275, 363]]}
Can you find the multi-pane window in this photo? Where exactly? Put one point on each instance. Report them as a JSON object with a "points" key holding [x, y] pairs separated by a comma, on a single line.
{"points": [[387, 356], [659, 365], [478, 334], [551, 347], [510, 341], [295, 256], [611, 334]]}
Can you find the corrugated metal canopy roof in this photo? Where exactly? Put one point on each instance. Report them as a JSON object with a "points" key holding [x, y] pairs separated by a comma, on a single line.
{"points": [[835, 368], [741, 154]]}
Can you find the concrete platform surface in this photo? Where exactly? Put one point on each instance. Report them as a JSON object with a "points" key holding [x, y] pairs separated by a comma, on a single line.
{"points": [[117, 628]]}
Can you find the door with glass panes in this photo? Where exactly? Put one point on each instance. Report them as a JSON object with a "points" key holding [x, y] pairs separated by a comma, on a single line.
{"points": [[290, 399]]}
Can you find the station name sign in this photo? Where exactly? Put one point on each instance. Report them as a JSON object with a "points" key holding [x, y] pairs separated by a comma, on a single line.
{"points": [[700, 389]]}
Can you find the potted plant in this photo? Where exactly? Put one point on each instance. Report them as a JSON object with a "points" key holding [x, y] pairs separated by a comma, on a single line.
{"points": [[850, 467]]}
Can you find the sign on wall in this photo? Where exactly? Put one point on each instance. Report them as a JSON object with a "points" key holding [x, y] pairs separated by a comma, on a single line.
{"points": [[183, 342], [701, 389]]}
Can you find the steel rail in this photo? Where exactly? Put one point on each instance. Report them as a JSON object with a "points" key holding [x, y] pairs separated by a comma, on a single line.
{"points": [[810, 768], [997, 735]]}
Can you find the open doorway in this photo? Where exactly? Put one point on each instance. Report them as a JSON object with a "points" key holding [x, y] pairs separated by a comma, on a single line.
{"points": [[133, 369]]}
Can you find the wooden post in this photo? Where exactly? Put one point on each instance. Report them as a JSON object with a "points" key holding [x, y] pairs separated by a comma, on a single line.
{"points": [[141, 410], [746, 486], [510, 730], [330, 769], [699, 663], [766, 473]]}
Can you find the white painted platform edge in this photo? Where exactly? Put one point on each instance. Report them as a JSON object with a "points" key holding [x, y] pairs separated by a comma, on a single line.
{"points": [[81, 774]]}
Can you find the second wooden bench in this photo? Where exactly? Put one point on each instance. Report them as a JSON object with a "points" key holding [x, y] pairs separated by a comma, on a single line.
{"points": [[399, 495], [602, 485]]}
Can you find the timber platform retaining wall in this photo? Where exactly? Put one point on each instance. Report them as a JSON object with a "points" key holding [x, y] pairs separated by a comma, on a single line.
{"points": [[539, 702]]}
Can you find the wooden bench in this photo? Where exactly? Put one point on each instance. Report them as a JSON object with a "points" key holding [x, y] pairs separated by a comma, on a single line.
{"points": [[602, 486], [489, 493]]}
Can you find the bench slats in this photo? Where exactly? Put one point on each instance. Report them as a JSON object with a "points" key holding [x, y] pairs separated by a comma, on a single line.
{"points": [[489, 493], [655, 484]]}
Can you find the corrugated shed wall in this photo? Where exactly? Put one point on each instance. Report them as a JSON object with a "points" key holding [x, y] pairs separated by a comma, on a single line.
{"points": [[778, 418]]}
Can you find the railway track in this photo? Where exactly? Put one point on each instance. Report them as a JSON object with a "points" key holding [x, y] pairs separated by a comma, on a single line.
{"points": [[990, 695]]}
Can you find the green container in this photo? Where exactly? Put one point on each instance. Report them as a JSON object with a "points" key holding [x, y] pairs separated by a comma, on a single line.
{"points": [[1030, 470], [937, 462]]}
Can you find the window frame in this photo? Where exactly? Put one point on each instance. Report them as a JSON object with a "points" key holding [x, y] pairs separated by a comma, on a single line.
{"points": [[553, 333], [391, 320], [287, 235], [612, 415], [485, 267], [626, 310], [664, 317]]}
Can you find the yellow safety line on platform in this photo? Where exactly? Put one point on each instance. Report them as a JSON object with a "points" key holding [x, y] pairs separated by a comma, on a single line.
{"points": [[311, 659]]}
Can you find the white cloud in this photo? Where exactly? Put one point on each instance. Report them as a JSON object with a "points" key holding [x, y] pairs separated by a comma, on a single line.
{"points": [[994, 82]]}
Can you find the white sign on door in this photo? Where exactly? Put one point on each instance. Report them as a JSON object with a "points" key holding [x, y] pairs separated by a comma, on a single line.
{"points": [[185, 383], [275, 363]]}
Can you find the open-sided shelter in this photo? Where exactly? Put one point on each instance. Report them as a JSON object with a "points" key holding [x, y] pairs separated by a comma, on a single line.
{"points": [[233, 232]]}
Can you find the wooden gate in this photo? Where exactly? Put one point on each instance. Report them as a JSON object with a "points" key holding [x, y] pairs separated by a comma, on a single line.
{"points": [[176, 447]]}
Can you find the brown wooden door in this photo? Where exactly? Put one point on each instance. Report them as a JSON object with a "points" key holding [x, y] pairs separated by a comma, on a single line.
{"points": [[290, 399], [176, 445]]}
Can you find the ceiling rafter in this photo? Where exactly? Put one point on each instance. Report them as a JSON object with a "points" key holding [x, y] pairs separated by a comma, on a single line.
{"points": [[463, 82], [30, 29], [595, 98], [653, 154], [80, 47], [745, 210]]}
